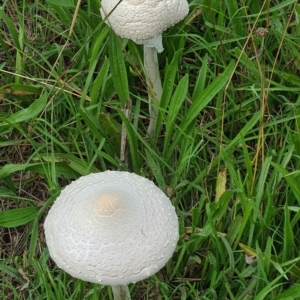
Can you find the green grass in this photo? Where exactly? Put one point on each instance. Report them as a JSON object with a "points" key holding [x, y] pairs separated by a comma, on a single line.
{"points": [[228, 155]]}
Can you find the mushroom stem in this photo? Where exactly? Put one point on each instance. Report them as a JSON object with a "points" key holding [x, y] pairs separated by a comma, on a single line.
{"points": [[153, 84], [121, 292]]}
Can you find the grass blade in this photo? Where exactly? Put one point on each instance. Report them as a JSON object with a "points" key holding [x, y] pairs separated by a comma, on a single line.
{"points": [[17, 217], [117, 67], [198, 104], [291, 181], [175, 105], [25, 114]]}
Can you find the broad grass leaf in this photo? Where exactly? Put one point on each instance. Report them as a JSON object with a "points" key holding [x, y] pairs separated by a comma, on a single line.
{"points": [[98, 44], [100, 82], [65, 3], [235, 16], [234, 229], [11, 168], [17, 217], [117, 67], [20, 89], [25, 114], [6, 193], [62, 169], [73, 162], [292, 293]]}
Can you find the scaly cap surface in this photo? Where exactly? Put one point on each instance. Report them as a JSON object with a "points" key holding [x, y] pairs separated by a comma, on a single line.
{"points": [[111, 228], [143, 19]]}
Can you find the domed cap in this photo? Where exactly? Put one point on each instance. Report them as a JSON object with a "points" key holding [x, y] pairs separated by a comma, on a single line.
{"points": [[143, 19], [112, 228]]}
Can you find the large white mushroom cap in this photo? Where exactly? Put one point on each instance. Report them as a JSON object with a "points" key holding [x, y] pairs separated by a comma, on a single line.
{"points": [[112, 228], [141, 20]]}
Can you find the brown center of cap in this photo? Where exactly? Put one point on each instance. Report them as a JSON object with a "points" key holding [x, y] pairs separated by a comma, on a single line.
{"points": [[108, 204]]}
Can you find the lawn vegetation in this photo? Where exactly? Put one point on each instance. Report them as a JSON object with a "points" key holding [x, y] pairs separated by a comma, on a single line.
{"points": [[73, 100]]}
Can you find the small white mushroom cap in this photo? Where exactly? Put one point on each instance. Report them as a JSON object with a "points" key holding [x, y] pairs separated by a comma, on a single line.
{"points": [[111, 228], [141, 20]]}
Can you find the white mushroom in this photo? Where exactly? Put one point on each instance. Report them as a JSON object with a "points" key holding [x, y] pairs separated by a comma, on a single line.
{"points": [[112, 228], [143, 21]]}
